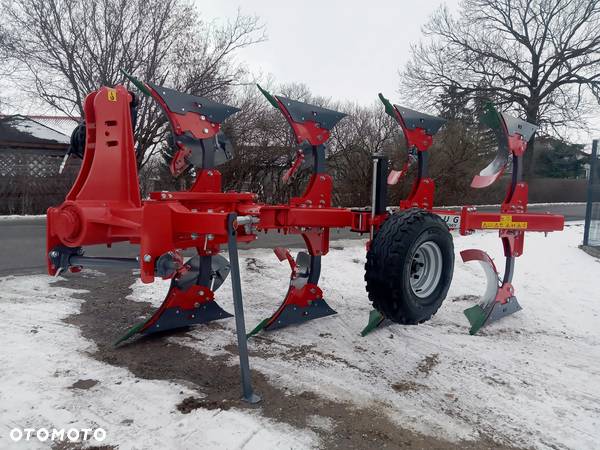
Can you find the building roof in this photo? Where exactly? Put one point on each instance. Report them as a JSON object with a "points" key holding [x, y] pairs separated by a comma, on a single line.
{"points": [[62, 124], [24, 131]]}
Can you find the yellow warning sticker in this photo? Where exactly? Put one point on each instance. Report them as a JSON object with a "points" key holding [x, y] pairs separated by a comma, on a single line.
{"points": [[112, 95], [506, 222]]}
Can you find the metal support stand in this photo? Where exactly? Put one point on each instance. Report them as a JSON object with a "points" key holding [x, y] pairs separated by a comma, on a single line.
{"points": [[378, 188], [240, 325], [590, 193], [373, 196]]}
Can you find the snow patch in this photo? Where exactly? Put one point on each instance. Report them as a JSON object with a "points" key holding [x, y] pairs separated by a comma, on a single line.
{"points": [[43, 358], [38, 130], [22, 217]]}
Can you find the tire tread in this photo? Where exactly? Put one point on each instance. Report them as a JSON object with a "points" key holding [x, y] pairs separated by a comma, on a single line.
{"points": [[385, 259]]}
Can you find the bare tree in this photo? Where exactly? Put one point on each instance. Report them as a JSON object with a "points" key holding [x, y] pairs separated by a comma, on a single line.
{"points": [[4, 44], [71, 47], [6, 69], [539, 57], [363, 133]]}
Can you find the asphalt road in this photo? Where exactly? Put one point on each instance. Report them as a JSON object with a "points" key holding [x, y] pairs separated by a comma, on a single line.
{"points": [[23, 241]]}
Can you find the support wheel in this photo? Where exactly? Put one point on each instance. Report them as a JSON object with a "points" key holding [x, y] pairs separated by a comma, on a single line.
{"points": [[409, 266]]}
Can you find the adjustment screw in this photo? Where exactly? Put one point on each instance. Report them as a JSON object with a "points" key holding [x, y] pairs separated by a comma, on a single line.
{"points": [[200, 292], [147, 258]]}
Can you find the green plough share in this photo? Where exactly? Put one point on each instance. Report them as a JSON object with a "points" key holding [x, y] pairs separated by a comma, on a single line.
{"points": [[389, 108], [272, 100], [137, 83], [258, 328], [133, 330], [491, 117], [477, 317], [375, 319]]}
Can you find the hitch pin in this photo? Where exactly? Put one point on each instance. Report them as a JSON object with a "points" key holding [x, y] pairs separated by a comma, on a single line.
{"points": [[208, 237], [247, 222]]}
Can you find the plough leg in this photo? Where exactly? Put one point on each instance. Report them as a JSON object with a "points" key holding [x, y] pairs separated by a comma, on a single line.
{"points": [[304, 299], [190, 299], [498, 300]]}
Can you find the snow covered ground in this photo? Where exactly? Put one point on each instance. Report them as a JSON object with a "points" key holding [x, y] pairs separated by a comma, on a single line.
{"points": [[42, 358], [532, 379], [22, 217]]}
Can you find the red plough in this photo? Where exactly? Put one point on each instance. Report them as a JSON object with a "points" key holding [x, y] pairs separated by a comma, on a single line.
{"points": [[410, 257]]}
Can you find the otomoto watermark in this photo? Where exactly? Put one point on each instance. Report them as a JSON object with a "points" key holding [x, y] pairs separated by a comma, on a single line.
{"points": [[58, 434]]}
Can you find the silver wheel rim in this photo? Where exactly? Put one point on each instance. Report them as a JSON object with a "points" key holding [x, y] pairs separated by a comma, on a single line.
{"points": [[426, 269]]}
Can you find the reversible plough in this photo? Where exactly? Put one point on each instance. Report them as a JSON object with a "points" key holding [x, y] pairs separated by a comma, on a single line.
{"points": [[410, 254]]}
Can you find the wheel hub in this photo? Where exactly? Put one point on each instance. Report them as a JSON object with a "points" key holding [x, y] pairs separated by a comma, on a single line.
{"points": [[426, 269]]}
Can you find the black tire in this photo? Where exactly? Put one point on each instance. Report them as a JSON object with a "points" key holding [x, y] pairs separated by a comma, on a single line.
{"points": [[390, 265]]}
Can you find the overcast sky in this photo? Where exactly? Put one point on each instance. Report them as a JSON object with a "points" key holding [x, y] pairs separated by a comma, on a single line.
{"points": [[346, 50]]}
